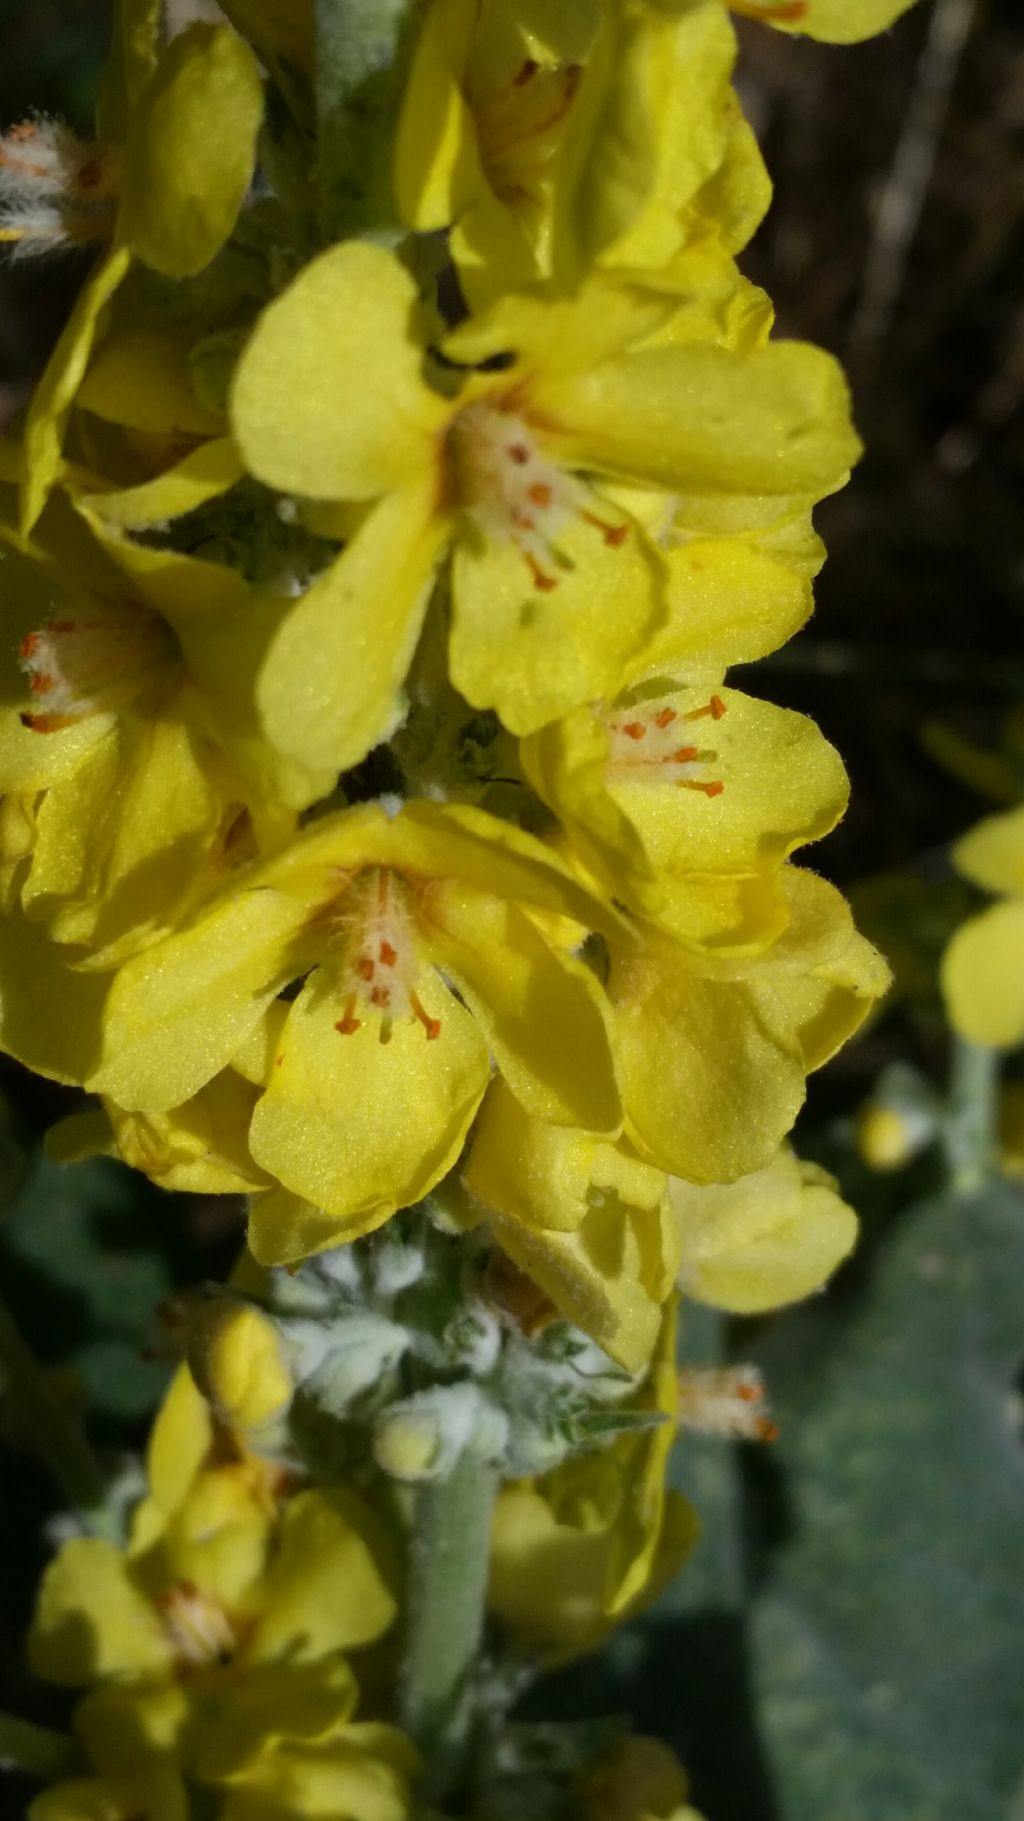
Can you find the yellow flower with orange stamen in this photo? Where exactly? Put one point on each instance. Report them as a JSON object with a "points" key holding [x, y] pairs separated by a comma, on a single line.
{"points": [[554, 585], [685, 787], [378, 1068]]}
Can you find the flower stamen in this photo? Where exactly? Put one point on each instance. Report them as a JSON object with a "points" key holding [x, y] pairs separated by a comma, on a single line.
{"points": [[645, 746], [726, 1401], [513, 493]]}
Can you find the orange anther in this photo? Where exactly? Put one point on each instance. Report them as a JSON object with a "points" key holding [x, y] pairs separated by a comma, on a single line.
{"points": [[751, 1394], [41, 684], [710, 790], [634, 730], [388, 954], [518, 453], [365, 968], [717, 707], [767, 1431], [29, 644], [664, 717], [541, 579], [616, 535], [381, 997], [540, 493], [432, 1026], [349, 1024], [685, 755]]}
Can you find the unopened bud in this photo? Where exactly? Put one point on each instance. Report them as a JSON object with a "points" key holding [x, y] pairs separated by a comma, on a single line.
{"points": [[239, 1365], [889, 1137], [408, 1444]]}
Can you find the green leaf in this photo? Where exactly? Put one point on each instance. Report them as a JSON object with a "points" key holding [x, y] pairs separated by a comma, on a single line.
{"points": [[85, 1267], [888, 1633]]}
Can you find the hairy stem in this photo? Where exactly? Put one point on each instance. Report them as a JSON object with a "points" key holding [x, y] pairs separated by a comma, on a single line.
{"points": [[53, 1432], [447, 1593], [971, 1118]]}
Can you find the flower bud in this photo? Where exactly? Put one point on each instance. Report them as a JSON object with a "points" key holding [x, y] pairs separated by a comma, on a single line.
{"points": [[238, 1363]]}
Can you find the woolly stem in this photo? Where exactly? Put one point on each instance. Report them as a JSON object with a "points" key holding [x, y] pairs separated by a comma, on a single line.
{"points": [[971, 1118], [447, 1593]]}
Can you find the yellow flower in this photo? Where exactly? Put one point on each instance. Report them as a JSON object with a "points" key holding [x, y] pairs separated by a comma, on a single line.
{"points": [[575, 1552], [638, 1780], [154, 1795], [236, 1358], [127, 736], [584, 1218], [770, 1238], [714, 1047], [657, 788], [200, 1148], [554, 586], [208, 1644], [378, 1070], [835, 21], [184, 123], [983, 967], [548, 137]]}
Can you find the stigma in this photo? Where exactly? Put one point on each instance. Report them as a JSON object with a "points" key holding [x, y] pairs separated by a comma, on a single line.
{"points": [[380, 967], [515, 494], [81, 667], [658, 744]]}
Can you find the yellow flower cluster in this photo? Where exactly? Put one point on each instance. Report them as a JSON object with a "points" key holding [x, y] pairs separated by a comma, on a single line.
{"points": [[378, 824], [261, 522]]}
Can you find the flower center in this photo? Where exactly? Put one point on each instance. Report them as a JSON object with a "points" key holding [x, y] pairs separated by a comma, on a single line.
{"points": [[77, 668], [512, 492], [652, 745], [55, 188], [518, 126], [381, 965], [196, 1626], [727, 1401]]}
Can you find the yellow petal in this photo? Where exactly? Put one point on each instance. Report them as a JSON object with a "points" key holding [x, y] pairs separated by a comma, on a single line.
{"points": [[702, 419], [728, 602], [330, 685], [349, 1121], [108, 877], [711, 1083], [768, 1239], [328, 398], [836, 21], [55, 392], [50, 1013], [327, 1539], [155, 1796], [544, 1015], [285, 1228], [437, 170], [179, 1012], [92, 1621], [203, 475], [983, 976], [991, 854], [141, 378], [200, 1148], [191, 150], [532, 654]]}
